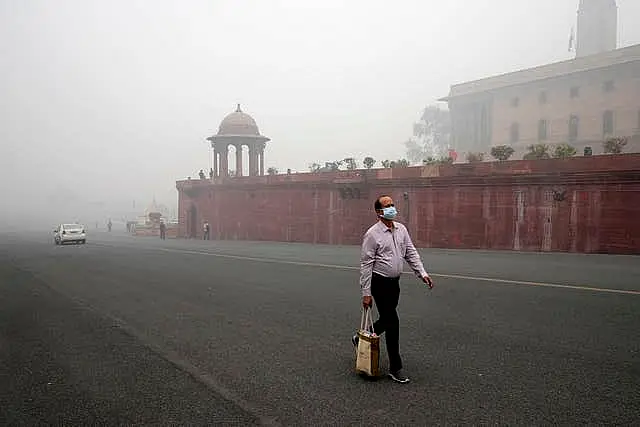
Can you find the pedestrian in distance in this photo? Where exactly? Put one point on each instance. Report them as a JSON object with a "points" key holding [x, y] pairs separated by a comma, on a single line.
{"points": [[206, 228], [385, 247], [163, 230]]}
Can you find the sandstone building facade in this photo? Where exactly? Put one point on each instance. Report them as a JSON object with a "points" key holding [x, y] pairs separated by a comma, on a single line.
{"points": [[582, 101], [580, 204]]}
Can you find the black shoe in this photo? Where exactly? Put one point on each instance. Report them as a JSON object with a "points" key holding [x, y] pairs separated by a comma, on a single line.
{"points": [[399, 377]]}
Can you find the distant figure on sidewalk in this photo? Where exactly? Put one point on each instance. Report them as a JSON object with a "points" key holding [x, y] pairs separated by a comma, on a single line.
{"points": [[163, 230], [109, 225], [207, 229], [385, 247]]}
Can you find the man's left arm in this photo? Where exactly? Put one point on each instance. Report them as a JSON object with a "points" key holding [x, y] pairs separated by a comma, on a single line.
{"points": [[415, 262]]}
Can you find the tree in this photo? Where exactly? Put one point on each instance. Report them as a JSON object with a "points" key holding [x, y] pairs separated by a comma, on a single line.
{"points": [[502, 152], [614, 145], [351, 163], [563, 151], [315, 167], [475, 157], [333, 166], [431, 135], [272, 171], [430, 161], [368, 162], [386, 163], [537, 152], [444, 160], [401, 163]]}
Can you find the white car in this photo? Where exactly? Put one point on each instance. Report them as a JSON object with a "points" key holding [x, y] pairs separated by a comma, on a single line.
{"points": [[75, 233]]}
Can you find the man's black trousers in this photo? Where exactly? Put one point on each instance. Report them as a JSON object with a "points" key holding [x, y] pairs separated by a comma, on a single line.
{"points": [[386, 294]]}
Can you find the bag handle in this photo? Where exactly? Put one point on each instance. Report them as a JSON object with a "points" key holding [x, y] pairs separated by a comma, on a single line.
{"points": [[366, 319]]}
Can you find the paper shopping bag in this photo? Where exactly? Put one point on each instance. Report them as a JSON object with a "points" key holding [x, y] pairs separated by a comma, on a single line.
{"points": [[368, 351]]}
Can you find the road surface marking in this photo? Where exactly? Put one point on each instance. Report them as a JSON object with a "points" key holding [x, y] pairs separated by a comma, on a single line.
{"points": [[347, 267]]}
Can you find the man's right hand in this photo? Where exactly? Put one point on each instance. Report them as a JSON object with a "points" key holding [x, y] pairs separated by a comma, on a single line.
{"points": [[367, 301]]}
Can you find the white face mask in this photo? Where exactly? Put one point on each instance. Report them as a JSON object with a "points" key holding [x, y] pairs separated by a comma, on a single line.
{"points": [[389, 212]]}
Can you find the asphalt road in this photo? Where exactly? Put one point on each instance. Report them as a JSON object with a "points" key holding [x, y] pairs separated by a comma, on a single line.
{"points": [[127, 330]]}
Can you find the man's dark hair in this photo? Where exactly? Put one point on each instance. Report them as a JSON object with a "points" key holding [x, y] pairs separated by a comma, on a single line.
{"points": [[377, 205]]}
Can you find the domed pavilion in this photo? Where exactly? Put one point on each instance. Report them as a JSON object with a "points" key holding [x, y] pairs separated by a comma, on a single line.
{"points": [[238, 129]]}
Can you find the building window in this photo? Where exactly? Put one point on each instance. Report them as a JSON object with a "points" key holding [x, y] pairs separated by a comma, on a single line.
{"points": [[608, 86], [542, 98], [575, 92], [515, 102], [542, 130], [574, 123], [515, 132], [607, 123]]}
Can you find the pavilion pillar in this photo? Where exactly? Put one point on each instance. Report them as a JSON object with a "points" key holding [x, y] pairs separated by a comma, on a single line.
{"points": [[216, 157], [252, 160], [238, 159], [262, 162], [224, 162]]}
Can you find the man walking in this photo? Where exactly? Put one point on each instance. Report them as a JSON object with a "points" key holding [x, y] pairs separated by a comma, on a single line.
{"points": [[385, 246]]}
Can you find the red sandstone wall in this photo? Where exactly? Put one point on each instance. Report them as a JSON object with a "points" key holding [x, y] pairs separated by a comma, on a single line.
{"points": [[495, 205]]}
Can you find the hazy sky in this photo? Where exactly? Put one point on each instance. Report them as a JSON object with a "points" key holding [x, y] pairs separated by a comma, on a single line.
{"points": [[112, 100]]}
